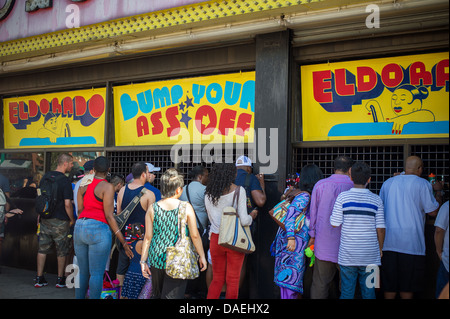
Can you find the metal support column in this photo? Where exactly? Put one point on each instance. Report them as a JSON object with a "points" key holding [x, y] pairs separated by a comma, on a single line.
{"points": [[272, 107]]}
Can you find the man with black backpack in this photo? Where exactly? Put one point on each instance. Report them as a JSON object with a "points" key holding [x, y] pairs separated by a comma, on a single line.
{"points": [[55, 209]]}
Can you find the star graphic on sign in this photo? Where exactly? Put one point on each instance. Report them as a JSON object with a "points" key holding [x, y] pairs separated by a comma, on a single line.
{"points": [[185, 118], [188, 102], [182, 106]]}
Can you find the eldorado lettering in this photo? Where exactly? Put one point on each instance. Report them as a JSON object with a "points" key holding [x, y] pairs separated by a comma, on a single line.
{"points": [[56, 119], [395, 97]]}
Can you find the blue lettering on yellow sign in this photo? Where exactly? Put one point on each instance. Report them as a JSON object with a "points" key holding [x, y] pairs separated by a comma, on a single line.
{"points": [[148, 100]]}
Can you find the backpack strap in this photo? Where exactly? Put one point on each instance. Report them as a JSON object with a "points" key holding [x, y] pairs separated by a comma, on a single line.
{"points": [[51, 178], [122, 218], [59, 177]]}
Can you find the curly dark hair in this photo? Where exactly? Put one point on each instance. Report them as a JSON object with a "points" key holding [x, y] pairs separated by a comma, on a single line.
{"points": [[221, 177]]}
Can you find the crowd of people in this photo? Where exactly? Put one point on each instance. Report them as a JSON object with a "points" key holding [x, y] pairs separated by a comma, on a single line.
{"points": [[352, 231], [83, 227]]}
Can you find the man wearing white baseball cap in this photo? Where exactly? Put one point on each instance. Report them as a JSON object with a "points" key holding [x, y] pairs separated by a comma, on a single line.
{"points": [[254, 185], [256, 197], [243, 161], [151, 178]]}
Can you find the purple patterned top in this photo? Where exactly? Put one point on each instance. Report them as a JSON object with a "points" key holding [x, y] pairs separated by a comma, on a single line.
{"points": [[290, 266]]}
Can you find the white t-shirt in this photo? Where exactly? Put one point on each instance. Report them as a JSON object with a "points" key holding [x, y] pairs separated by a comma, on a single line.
{"points": [[215, 212], [406, 199], [442, 222], [360, 212]]}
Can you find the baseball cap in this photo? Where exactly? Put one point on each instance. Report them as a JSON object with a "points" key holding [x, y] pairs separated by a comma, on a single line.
{"points": [[88, 165], [243, 161], [152, 168]]}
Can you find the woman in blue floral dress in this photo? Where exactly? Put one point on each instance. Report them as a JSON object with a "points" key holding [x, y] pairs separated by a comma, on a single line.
{"points": [[289, 246]]}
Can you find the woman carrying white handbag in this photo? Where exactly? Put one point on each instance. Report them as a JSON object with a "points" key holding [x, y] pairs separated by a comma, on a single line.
{"points": [[226, 262]]}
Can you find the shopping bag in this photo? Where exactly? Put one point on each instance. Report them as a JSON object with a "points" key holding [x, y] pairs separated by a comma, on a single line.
{"points": [[111, 288], [279, 212], [181, 259], [232, 234]]}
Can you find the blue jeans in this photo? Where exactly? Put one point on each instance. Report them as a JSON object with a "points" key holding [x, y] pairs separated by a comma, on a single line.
{"points": [[92, 243], [442, 279], [349, 278]]}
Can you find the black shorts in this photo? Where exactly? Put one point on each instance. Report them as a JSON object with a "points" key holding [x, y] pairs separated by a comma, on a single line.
{"points": [[123, 261], [402, 272]]}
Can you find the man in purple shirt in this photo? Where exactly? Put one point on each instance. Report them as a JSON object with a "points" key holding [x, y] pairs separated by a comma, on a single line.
{"points": [[325, 237]]}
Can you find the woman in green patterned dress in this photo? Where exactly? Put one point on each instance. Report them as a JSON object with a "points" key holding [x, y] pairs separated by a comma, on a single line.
{"points": [[161, 231]]}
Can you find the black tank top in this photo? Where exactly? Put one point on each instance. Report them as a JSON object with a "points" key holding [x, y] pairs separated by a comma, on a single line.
{"points": [[138, 214]]}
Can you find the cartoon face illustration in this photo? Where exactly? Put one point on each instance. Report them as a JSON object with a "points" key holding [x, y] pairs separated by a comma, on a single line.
{"points": [[51, 124], [407, 99], [54, 128], [406, 105]]}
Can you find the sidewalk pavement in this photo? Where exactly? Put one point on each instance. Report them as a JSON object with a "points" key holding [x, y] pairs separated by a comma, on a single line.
{"points": [[18, 283]]}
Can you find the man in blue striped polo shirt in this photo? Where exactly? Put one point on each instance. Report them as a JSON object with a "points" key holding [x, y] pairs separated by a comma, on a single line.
{"points": [[361, 214]]}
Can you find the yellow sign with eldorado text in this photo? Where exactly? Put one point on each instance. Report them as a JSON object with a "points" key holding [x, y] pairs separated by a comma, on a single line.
{"points": [[211, 109], [55, 120], [389, 98]]}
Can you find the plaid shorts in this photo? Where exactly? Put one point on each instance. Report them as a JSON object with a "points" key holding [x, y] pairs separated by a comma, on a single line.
{"points": [[56, 231]]}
